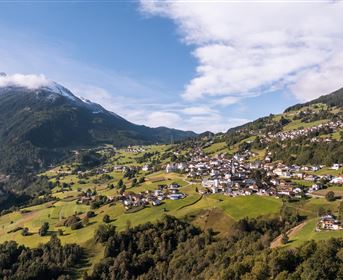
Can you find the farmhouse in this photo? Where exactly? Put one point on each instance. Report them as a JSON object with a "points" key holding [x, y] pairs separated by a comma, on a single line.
{"points": [[337, 180], [328, 222]]}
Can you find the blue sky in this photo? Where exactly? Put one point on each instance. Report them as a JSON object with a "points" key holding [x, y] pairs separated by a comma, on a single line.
{"points": [[183, 64]]}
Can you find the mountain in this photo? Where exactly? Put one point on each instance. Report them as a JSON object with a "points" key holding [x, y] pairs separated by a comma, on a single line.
{"points": [[40, 126]]}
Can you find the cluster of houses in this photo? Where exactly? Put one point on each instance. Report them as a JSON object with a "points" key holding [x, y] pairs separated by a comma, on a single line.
{"points": [[238, 176], [328, 222], [135, 149], [89, 196], [174, 167], [154, 197], [293, 134]]}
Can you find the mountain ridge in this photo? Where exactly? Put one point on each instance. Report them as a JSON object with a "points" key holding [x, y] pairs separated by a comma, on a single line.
{"points": [[47, 122]]}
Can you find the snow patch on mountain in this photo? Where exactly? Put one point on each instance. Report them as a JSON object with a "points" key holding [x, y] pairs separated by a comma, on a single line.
{"points": [[60, 90], [50, 90]]}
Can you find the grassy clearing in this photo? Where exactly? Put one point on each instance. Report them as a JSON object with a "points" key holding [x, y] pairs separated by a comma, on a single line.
{"points": [[249, 206], [297, 124], [214, 219], [303, 183], [220, 147], [124, 157], [329, 171], [233, 208]]}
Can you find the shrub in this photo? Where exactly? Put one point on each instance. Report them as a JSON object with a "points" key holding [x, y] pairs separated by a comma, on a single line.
{"points": [[106, 219], [76, 226]]}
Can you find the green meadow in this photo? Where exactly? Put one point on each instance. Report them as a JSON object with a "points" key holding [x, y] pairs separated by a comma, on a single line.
{"points": [[307, 232]]}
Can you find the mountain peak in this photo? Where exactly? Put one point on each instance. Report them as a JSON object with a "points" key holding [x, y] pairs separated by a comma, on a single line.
{"points": [[60, 90]]}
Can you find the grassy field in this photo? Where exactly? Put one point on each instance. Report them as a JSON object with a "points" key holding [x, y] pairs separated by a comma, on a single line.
{"points": [[337, 190], [233, 208], [248, 206], [329, 171], [307, 232], [123, 157], [297, 124], [220, 147]]}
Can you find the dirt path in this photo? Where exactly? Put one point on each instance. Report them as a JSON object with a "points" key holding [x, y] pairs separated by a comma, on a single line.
{"points": [[293, 231]]}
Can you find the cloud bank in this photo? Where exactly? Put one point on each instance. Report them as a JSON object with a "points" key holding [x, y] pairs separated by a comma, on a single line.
{"points": [[28, 81], [245, 49]]}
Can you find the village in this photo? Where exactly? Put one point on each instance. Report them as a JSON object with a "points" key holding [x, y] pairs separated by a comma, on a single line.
{"points": [[239, 175]]}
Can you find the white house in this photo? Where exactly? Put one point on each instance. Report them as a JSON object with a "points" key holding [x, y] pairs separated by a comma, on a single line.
{"points": [[146, 168], [336, 166], [337, 180]]}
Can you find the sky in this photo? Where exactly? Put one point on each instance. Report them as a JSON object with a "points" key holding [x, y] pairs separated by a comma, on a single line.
{"points": [[192, 65]]}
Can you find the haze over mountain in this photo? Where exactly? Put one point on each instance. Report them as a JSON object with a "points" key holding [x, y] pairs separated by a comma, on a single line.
{"points": [[40, 121]]}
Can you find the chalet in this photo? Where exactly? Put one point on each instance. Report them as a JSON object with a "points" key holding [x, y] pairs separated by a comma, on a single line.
{"points": [[314, 187], [337, 180], [176, 196], [336, 166], [328, 222], [282, 172], [310, 177]]}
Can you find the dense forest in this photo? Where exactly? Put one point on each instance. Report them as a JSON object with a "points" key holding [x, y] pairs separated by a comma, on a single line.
{"points": [[301, 151], [172, 249], [48, 261]]}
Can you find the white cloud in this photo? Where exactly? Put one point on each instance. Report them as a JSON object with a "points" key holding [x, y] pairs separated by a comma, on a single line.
{"points": [[137, 100], [197, 110], [168, 119], [28, 81], [228, 100], [247, 48], [324, 79], [201, 122]]}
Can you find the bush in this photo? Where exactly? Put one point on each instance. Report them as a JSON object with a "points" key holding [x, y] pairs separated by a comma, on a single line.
{"points": [[76, 226], [106, 219], [44, 229], [25, 232], [330, 196], [90, 214], [71, 220]]}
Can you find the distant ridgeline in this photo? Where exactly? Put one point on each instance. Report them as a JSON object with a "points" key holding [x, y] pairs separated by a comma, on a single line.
{"points": [[332, 100], [309, 133]]}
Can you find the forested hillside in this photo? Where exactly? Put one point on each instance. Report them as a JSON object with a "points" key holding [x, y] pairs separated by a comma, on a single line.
{"points": [[42, 127], [174, 250], [309, 133]]}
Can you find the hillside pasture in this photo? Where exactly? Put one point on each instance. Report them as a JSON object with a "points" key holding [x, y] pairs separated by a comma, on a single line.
{"points": [[307, 232]]}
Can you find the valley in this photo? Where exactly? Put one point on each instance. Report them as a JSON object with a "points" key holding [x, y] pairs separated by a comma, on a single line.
{"points": [[283, 168]]}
